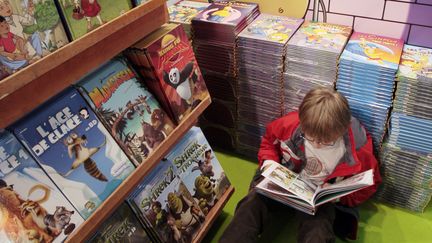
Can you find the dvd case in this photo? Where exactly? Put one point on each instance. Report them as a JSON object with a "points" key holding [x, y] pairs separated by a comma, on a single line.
{"points": [[31, 206], [74, 149], [126, 107], [166, 59]]}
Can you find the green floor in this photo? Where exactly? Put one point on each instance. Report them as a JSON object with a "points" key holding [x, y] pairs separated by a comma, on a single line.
{"points": [[379, 223]]}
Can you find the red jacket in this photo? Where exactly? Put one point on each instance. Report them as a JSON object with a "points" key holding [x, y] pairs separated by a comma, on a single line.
{"points": [[282, 143]]}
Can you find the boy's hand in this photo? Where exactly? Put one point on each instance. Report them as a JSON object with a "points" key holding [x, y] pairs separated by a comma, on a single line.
{"points": [[266, 164]]}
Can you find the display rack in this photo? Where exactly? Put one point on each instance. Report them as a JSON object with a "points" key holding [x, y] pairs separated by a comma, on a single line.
{"points": [[28, 88], [117, 197]]}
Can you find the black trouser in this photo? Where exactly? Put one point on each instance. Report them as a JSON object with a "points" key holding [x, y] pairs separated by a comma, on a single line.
{"points": [[254, 212]]}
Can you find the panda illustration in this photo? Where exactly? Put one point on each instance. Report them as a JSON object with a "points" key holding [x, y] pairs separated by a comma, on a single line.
{"points": [[180, 80]]}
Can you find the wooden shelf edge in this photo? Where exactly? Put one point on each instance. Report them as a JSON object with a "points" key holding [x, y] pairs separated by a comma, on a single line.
{"points": [[214, 213], [31, 86], [90, 225]]}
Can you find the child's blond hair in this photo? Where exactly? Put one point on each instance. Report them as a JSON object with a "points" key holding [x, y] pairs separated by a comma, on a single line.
{"points": [[324, 114]]}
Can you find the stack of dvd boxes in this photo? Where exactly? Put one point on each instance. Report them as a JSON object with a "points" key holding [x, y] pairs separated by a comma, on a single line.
{"points": [[215, 33], [406, 156], [366, 74], [260, 52], [311, 59]]}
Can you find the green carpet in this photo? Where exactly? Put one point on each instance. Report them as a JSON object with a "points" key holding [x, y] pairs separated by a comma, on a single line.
{"points": [[379, 223]]}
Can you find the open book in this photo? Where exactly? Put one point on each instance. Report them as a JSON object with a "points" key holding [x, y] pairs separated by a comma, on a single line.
{"points": [[290, 188]]}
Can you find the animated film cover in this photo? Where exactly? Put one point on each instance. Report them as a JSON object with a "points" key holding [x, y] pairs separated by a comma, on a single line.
{"points": [[122, 226], [83, 16], [226, 13], [75, 150], [32, 209], [322, 36], [179, 84], [164, 201], [32, 29], [131, 113], [374, 50], [199, 169], [272, 28], [184, 11], [415, 62]]}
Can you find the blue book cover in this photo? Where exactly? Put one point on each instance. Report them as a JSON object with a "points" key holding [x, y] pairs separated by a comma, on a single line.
{"points": [[29, 200], [75, 150], [199, 169], [373, 50], [125, 106], [163, 201]]}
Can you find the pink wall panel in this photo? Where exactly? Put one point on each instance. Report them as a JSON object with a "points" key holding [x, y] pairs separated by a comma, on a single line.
{"points": [[425, 1], [408, 1], [421, 36], [410, 20], [364, 8], [408, 13], [334, 18], [379, 27]]}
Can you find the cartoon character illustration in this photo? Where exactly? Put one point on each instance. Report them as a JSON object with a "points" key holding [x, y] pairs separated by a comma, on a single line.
{"points": [[184, 217], [161, 122], [75, 146], [315, 35], [89, 9], [18, 22], [227, 14], [151, 136], [31, 217], [370, 51], [205, 166], [421, 64], [13, 53], [180, 80], [205, 193], [219, 15]]}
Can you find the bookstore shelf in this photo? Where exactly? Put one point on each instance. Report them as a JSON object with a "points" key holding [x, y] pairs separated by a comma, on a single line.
{"points": [[117, 197], [26, 89]]}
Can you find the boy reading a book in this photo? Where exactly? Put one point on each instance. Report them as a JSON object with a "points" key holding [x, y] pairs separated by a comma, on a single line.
{"points": [[323, 143]]}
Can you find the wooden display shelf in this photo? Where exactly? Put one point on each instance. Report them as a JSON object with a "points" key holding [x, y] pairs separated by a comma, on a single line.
{"points": [[214, 213], [28, 88], [89, 226]]}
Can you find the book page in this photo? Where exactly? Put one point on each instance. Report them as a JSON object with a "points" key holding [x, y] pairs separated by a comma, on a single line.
{"points": [[349, 185], [290, 181]]}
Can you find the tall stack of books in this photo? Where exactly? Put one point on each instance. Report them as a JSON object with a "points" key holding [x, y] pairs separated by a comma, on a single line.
{"points": [[311, 59], [183, 12], [260, 52], [215, 33], [406, 161], [366, 74]]}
